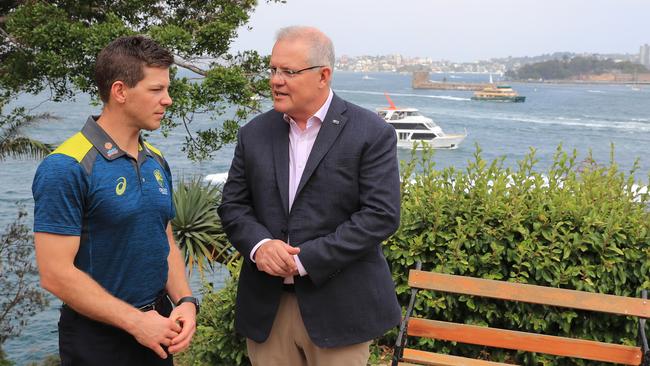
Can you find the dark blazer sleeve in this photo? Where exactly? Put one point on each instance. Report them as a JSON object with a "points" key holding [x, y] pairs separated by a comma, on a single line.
{"points": [[236, 209], [378, 215]]}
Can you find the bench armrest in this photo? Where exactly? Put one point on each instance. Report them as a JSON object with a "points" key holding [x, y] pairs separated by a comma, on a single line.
{"points": [[401, 337], [642, 336]]}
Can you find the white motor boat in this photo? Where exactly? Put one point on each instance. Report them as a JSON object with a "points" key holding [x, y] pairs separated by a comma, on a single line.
{"points": [[411, 127]]}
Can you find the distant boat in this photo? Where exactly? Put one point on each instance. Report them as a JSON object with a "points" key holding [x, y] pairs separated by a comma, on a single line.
{"points": [[498, 93], [412, 127], [366, 77]]}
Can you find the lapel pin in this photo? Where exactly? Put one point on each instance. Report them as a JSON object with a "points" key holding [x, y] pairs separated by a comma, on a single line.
{"points": [[335, 121]]}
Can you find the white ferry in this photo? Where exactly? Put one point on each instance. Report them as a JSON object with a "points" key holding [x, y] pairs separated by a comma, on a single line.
{"points": [[411, 127]]}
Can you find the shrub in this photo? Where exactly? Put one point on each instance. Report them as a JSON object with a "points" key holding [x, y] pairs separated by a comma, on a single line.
{"points": [[577, 226], [20, 294], [215, 341]]}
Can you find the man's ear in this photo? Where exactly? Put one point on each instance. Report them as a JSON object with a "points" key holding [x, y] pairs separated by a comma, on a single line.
{"points": [[325, 76], [118, 92]]}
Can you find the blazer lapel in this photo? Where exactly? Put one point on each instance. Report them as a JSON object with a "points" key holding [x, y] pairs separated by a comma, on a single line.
{"points": [[280, 138], [329, 131]]}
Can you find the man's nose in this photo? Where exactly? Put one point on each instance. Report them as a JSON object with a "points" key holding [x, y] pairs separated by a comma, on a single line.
{"points": [[166, 100], [276, 79]]}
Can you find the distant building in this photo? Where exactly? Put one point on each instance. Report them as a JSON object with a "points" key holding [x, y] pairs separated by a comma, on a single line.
{"points": [[644, 55]]}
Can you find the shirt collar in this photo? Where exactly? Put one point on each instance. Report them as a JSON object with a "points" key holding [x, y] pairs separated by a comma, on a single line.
{"points": [[105, 144], [320, 113]]}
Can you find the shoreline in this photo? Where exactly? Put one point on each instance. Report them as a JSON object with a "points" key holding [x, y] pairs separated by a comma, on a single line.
{"points": [[582, 82]]}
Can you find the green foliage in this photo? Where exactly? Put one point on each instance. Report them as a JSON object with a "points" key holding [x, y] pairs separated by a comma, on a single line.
{"points": [[215, 341], [13, 143], [51, 46], [3, 359], [567, 68], [577, 226], [197, 227], [20, 293], [52, 360]]}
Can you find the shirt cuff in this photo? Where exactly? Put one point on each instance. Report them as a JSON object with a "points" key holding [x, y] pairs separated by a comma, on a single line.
{"points": [[301, 269], [257, 247]]}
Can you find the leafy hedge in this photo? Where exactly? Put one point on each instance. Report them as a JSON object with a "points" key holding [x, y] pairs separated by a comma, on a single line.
{"points": [[577, 226], [215, 341]]}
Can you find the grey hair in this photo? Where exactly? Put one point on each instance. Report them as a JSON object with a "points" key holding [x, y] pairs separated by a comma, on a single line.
{"points": [[321, 48]]}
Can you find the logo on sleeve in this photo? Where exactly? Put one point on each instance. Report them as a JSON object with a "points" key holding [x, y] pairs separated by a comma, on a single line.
{"points": [[121, 186], [161, 182]]}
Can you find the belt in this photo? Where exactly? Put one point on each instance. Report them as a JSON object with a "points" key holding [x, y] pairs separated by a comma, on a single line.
{"points": [[156, 304], [288, 287]]}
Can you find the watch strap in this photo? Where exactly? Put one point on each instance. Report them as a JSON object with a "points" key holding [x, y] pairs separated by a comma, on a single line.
{"points": [[191, 299]]}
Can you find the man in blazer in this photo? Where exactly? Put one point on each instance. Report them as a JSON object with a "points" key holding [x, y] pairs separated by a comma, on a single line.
{"points": [[312, 192]]}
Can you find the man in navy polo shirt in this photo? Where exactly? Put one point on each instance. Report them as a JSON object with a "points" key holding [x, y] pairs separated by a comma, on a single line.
{"points": [[103, 205]]}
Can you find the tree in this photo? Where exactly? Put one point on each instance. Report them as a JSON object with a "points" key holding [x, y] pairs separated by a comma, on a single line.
{"points": [[50, 46], [20, 294]]}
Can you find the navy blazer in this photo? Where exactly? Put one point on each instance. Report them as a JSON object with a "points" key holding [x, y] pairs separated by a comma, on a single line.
{"points": [[347, 203]]}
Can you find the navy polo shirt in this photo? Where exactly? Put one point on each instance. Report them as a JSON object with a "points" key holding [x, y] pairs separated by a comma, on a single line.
{"points": [[117, 205]]}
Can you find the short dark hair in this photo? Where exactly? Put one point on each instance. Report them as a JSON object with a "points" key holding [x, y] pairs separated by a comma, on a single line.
{"points": [[124, 58]]}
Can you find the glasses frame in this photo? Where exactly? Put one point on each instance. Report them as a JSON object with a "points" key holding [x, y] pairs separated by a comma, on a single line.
{"points": [[288, 73]]}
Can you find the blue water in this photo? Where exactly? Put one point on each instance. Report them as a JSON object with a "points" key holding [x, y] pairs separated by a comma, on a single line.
{"points": [[582, 117]]}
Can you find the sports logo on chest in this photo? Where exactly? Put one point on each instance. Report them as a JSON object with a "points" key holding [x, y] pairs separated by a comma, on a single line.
{"points": [[120, 188], [161, 182]]}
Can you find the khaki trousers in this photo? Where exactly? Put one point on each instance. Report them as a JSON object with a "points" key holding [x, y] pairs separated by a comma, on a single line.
{"points": [[290, 345]]}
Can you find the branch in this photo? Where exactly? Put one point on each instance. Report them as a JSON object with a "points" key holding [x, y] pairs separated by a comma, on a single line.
{"points": [[186, 65], [187, 128], [12, 39]]}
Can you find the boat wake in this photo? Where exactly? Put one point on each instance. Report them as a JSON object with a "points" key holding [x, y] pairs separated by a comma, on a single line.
{"points": [[445, 97], [632, 125], [216, 179], [577, 122]]}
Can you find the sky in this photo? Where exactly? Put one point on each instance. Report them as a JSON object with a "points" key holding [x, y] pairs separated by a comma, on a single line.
{"points": [[458, 30]]}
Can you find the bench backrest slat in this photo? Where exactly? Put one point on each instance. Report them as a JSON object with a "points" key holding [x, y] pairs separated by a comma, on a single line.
{"points": [[508, 339], [530, 293]]}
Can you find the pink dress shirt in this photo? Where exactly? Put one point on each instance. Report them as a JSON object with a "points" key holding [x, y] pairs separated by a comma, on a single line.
{"points": [[300, 145]]}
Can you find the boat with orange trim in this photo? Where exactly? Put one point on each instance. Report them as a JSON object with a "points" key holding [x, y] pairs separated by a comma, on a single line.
{"points": [[412, 127]]}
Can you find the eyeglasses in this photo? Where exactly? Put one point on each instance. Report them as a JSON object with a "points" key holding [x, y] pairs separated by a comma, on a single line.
{"points": [[288, 74]]}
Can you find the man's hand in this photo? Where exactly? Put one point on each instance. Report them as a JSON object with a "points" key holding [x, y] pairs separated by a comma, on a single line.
{"points": [[153, 330], [275, 257], [184, 315]]}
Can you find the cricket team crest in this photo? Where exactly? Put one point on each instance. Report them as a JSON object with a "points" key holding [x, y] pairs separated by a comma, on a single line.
{"points": [[161, 182]]}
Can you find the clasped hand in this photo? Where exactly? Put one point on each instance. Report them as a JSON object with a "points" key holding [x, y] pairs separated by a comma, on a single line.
{"points": [[275, 257], [154, 330]]}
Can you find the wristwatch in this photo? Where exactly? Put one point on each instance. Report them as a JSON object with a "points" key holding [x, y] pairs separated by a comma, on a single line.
{"points": [[191, 299]]}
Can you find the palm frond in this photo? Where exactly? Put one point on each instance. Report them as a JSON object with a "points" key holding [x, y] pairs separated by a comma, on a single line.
{"points": [[13, 143], [23, 147]]}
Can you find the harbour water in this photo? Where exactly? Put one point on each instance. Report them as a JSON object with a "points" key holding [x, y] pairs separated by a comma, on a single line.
{"points": [[582, 117]]}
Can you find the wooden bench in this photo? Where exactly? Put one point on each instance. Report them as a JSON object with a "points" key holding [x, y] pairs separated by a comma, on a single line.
{"points": [[515, 340]]}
